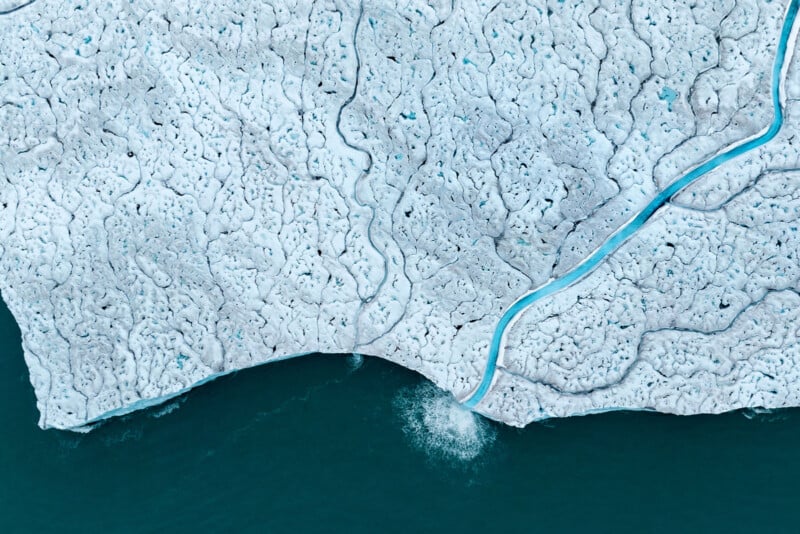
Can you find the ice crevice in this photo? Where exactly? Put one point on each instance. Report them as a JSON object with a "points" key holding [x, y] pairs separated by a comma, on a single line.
{"points": [[575, 360], [11, 6], [186, 191]]}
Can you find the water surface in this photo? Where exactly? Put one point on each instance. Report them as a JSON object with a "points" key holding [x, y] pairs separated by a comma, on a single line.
{"points": [[318, 444]]}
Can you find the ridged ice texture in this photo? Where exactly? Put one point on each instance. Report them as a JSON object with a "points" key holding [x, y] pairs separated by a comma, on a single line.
{"points": [[187, 189]]}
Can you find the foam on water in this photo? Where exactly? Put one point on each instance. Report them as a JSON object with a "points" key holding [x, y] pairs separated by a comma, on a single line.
{"points": [[355, 361], [766, 415], [128, 432], [167, 408], [437, 423]]}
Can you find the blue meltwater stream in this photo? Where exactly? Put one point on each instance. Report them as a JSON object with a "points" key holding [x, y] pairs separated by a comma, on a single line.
{"points": [[629, 228]]}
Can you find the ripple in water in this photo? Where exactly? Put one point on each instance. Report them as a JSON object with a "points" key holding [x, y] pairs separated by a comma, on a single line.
{"points": [[766, 415], [438, 424], [355, 361], [167, 408]]}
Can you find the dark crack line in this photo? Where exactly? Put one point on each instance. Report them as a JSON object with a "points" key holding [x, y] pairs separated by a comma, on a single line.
{"points": [[15, 9]]}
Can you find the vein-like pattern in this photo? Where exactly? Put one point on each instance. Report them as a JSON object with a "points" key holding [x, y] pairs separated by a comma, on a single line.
{"points": [[188, 189]]}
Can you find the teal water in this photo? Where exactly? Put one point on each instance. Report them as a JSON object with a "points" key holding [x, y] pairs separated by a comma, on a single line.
{"points": [[627, 230], [316, 445], [323, 444]]}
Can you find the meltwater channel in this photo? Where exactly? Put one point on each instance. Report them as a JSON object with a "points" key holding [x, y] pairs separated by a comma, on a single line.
{"points": [[325, 444], [779, 68]]}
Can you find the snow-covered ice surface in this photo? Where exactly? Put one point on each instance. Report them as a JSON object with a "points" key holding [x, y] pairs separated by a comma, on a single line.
{"points": [[187, 189]]}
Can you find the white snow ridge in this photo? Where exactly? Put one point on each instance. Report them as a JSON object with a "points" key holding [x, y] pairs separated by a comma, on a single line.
{"points": [[188, 189]]}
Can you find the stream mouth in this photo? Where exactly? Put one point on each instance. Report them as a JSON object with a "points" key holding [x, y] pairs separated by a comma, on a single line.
{"points": [[438, 424], [624, 232]]}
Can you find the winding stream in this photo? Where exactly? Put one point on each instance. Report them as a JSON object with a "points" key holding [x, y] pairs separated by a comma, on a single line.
{"points": [[779, 68]]}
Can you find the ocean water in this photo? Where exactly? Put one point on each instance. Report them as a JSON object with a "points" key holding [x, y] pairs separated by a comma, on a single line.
{"points": [[338, 444]]}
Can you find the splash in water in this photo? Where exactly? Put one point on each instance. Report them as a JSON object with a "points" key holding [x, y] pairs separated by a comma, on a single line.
{"points": [[766, 415], [167, 408], [438, 424], [355, 361]]}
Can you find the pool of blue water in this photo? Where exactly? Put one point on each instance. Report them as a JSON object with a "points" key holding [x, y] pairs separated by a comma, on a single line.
{"points": [[630, 228]]}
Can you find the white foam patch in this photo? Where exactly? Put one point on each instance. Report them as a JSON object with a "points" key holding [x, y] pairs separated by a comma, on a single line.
{"points": [[167, 408], [438, 424], [766, 415], [355, 361]]}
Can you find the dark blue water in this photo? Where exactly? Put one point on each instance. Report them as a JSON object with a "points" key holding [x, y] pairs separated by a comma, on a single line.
{"points": [[323, 444], [314, 445]]}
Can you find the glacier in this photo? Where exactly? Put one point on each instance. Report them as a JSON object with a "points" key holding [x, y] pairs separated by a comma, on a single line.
{"points": [[189, 189]]}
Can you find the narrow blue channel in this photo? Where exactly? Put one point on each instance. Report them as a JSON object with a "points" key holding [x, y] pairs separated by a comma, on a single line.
{"points": [[629, 228]]}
